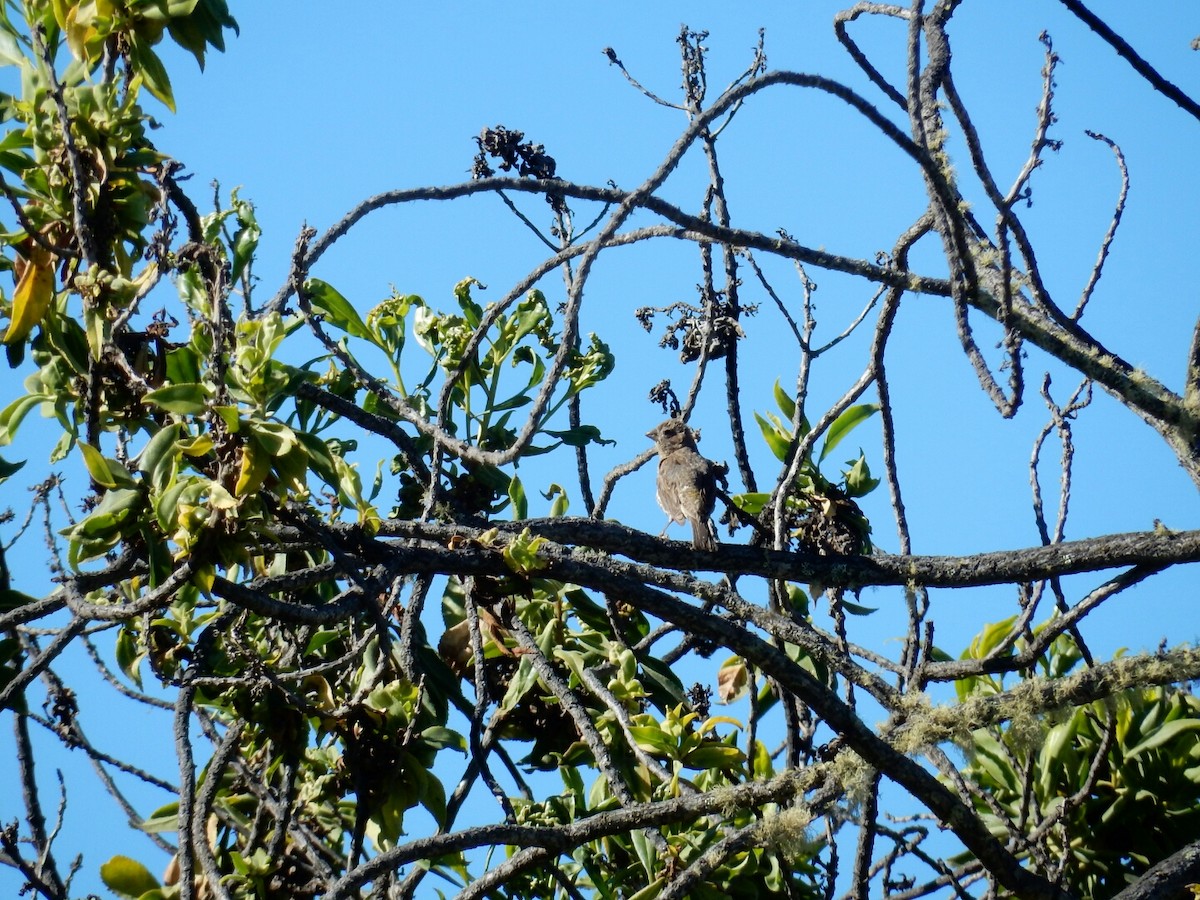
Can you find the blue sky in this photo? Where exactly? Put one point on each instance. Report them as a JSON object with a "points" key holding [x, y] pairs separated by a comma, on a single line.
{"points": [[308, 113]]}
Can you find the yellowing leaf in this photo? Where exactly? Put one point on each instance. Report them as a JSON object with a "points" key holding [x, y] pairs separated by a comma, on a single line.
{"points": [[713, 756], [521, 554], [128, 877], [733, 678], [204, 577], [98, 328], [219, 498], [60, 12], [197, 446], [256, 465], [713, 721], [32, 297], [77, 32]]}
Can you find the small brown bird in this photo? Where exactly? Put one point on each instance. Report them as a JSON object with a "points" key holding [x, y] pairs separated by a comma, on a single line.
{"points": [[687, 482]]}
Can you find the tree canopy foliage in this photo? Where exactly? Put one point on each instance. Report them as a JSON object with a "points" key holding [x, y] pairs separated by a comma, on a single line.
{"points": [[303, 529]]}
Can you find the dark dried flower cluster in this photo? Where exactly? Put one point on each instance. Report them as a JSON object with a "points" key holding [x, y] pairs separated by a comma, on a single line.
{"points": [[664, 395], [527, 158], [686, 331]]}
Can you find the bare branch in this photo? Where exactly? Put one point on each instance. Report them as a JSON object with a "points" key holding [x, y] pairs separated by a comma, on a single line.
{"points": [[1126, 52]]}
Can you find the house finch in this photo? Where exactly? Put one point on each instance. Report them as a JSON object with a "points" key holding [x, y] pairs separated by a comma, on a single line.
{"points": [[687, 482]]}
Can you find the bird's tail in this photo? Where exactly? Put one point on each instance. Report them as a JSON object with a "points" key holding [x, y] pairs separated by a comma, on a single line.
{"points": [[702, 535]]}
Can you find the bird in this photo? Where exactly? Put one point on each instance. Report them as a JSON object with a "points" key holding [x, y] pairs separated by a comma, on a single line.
{"points": [[687, 482]]}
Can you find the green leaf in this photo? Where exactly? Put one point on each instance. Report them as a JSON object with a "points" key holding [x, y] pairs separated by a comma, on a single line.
{"points": [[127, 877], [520, 503], [107, 473], [10, 51], [114, 509], [581, 436], [1055, 753], [653, 740], [440, 737], [786, 404], [62, 446], [183, 363], [203, 27], [181, 399], [845, 423], [514, 402], [10, 599], [589, 612], [7, 468], [129, 658], [67, 336], [338, 311], [856, 609], [592, 367], [1164, 735], [320, 639], [858, 478], [991, 759], [153, 73], [646, 854], [712, 755], [751, 503], [167, 505], [320, 459], [574, 659], [165, 818], [157, 458], [659, 679], [245, 242], [472, 311], [180, 8], [433, 798], [11, 415], [990, 638], [276, 438], [230, 416], [560, 502], [104, 526], [777, 440], [521, 554], [524, 680]]}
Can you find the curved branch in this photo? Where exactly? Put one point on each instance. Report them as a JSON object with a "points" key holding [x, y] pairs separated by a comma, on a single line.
{"points": [[845, 16], [1162, 408], [1118, 211]]}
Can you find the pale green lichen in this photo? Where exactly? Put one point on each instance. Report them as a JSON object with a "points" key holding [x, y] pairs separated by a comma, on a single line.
{"points": [[986, 257], [1033, 706], [727, 800], [854, 774], [787, 832], [925, 725]]}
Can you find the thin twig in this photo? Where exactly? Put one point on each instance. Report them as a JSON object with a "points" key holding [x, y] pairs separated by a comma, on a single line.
{"points": [[1118, 211]]}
